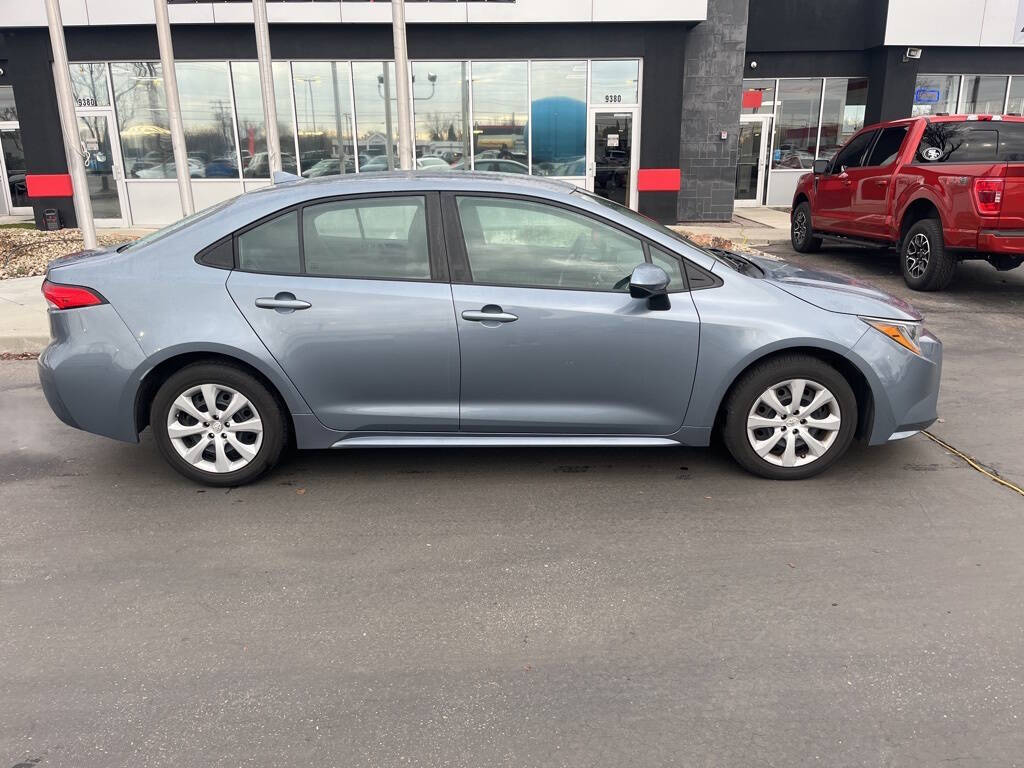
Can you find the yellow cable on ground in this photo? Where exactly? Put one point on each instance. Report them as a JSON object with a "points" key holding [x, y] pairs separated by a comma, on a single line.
{"points": [[974, 463]]}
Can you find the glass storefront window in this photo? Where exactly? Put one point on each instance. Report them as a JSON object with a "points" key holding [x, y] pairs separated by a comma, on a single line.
{"points": [[935, 93], [89, 83], [205, 96], [558, 130], [324, 117], [1016, 104], [252, 133], [142, 120], [842, 113], [796, 132], [14, 160], [500, 108], [440, 92], [614, 82], [376, 114], [983, 95], [8, 111], [758, 97]]}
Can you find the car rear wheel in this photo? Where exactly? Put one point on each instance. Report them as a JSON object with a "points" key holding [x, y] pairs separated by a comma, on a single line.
{"points": [[800, 232], [218, 425], [924, 260], [789, 418]]}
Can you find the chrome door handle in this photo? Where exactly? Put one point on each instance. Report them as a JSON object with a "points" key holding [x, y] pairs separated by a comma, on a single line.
{"points": [[480, 316], [282, 300]]}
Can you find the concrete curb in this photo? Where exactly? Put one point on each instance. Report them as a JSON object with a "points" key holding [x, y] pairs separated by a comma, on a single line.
{"points": [[24, 326]]}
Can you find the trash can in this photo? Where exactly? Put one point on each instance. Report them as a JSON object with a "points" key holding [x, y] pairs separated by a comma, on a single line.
{"points": [[51, 219]]}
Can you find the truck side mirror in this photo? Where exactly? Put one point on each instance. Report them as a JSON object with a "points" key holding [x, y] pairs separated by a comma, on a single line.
{"points": [[820, 167]]}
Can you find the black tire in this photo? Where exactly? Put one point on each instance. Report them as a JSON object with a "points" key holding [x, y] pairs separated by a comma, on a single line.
{"points": [[801, 233], [271, 415], [748, 390], [939, 267]]}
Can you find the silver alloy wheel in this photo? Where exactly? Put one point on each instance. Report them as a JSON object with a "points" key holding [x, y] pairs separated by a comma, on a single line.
{"points": [[214, 428], [793, 423], [919, 249], [799, 226]]}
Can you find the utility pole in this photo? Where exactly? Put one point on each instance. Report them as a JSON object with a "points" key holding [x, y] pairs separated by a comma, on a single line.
{"points": [[181, 167], [69, 123], [406, 149], [259, 18]]}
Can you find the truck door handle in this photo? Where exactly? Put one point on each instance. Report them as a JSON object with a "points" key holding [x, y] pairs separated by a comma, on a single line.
{"points": [[283, 301], [489, 314]]}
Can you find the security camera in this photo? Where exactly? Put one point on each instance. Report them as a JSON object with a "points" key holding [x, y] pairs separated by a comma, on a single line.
{"points": [[432, 77], [753, 65], [912, 53]]}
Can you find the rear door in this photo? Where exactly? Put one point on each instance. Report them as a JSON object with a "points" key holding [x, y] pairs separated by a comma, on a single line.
{"points": [[567, 351], [351, 296]]}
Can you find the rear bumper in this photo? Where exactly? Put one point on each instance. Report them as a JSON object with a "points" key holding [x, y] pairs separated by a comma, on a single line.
{"points": [[86, 371], [906, 392], [1010, 241]]}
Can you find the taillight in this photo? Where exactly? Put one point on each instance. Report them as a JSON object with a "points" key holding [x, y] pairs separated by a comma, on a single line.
{"points": [[62, 296], [988, 196]]}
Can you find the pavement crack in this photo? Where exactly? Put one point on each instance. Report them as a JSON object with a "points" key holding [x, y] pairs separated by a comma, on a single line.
{"points": [[974, 464]]}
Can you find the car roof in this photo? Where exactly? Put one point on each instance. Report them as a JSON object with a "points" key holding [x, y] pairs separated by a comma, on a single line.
{"points": [[948, 119]]}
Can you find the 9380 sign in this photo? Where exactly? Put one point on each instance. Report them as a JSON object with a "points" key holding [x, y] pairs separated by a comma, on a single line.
{"points": [[89, 102], [612, 98]]}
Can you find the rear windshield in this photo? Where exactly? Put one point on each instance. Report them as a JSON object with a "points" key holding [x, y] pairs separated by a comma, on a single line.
{"points": [[971, 142], [172, 228]]}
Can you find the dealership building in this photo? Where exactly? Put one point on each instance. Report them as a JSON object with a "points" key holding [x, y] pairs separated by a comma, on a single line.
{"points": [[681, 109]]}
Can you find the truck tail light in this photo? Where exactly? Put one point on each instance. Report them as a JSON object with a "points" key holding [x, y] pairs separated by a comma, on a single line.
{"points": [[988, 196], [62, 296]]}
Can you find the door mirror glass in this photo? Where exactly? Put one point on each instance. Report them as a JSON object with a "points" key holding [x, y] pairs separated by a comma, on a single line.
{"points": [[820, 167], [649, 281]]}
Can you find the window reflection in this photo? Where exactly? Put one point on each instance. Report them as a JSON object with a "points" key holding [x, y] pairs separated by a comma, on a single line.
{"points": [[1016, 104], [324, 117], [89, 83], [984, 94], [142, 120], [205, 98], [614, 82], [440, 93], [500, 109], [559, 117], [7, 109], [842, 114], [935, 93], [796, 134], [252, 133], [376, 114], [758, 97], [14, 159]]}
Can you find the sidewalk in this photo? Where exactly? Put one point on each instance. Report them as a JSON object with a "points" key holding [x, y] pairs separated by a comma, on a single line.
{"points": [[753, 227], [23, 323]]}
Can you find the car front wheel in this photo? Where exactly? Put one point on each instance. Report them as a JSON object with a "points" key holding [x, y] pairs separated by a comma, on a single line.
{"points": [[800, 232], [790, 417], [218, 425]]}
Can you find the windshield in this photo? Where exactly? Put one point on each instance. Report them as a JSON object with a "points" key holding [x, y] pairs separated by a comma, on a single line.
{"points": [[171, 228]]}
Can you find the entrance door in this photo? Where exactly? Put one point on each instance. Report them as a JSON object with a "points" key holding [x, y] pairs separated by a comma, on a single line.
{"points": [[103, 168], [611, 155], [752, 162], [13, 194]]}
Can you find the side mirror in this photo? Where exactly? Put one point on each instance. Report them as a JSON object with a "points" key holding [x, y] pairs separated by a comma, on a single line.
{"points": [[820, 167], [650, 282]]}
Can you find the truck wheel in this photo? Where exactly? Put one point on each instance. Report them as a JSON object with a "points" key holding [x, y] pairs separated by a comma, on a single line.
{"points": [[925, 263], [800, 231]]}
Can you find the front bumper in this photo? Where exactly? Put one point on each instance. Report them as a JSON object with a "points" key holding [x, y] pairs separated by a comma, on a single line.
{"points": [[86, 371], [905, 385]]}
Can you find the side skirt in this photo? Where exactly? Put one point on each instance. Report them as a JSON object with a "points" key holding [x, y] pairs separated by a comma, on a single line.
{"points": [[503, 441]]}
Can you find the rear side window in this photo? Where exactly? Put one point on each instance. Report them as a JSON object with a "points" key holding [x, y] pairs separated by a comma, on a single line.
{"points": [[1011, 142], [852, 155], [273, 246], [888, 146], [383, 238], [959, 143]]}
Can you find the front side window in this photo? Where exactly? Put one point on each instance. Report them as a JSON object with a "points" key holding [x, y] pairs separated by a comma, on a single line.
{"points": [[887, 148], [672, 265], [273, 246], [383, 238], [852, 155], [525, 243]]}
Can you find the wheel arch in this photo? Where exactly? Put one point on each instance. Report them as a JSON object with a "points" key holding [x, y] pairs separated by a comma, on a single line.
{"points": [[918, 209], [853, 374]]}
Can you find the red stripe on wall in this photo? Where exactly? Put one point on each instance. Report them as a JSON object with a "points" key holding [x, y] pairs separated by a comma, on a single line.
{"points": [[658, 180], [49, 185]]}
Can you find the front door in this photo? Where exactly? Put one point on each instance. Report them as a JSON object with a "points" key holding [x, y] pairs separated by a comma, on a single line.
{"points": [[103, 168], [551, 341], [752, 160], [612, 155]]}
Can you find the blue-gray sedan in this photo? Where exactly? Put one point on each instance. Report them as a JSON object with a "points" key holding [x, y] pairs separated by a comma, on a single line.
{"points": [[469, 309]]}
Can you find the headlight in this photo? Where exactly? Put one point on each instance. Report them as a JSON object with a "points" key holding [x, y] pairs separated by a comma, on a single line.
{"points": [[905, 334]]}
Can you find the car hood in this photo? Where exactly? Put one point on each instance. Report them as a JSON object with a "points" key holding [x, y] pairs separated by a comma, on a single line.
{"points": [[835, 292]]}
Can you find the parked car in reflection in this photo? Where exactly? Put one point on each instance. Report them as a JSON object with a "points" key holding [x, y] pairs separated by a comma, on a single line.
{"points": [[340, 313], [222, 168], [196, 170], [329, 166], [259, 165], [494, 165]]}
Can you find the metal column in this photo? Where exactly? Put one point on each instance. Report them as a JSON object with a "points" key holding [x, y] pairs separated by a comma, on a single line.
{"points": [[181, 167], [406, 149], [259, 18], [69, 126]]}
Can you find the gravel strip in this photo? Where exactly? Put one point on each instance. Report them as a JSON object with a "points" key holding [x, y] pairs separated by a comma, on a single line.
{"points": [[26, 252]]}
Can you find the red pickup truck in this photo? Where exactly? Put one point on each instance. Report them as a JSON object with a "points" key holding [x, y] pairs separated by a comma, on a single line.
{"points": [[941, 189]]}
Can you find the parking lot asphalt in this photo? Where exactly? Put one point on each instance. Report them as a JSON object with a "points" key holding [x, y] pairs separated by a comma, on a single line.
{"points": [[527, 608]]}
